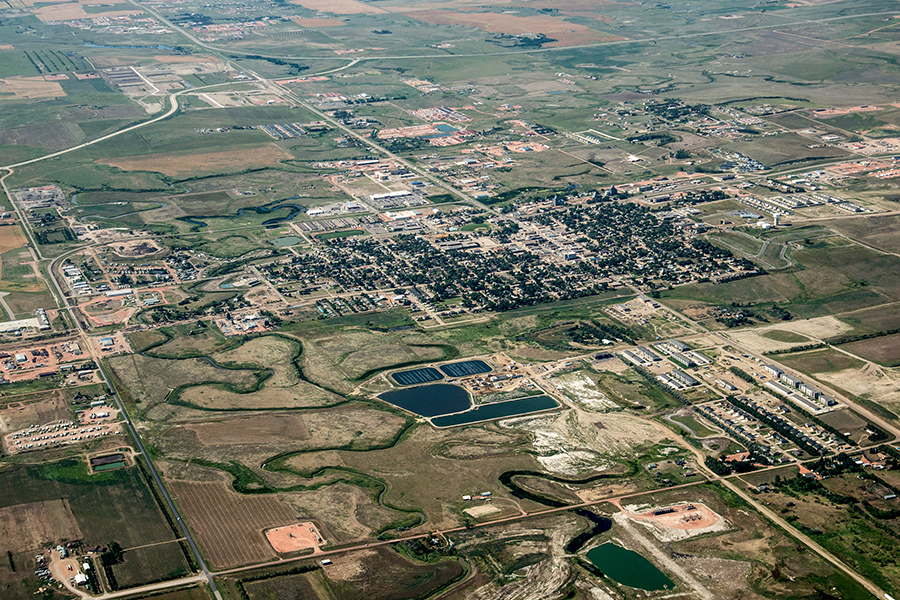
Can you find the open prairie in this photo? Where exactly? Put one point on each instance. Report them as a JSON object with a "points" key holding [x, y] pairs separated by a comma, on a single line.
{"points": [[224, 161]]}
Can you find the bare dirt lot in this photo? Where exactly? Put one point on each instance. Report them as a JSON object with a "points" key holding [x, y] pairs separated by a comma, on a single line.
{"points": [[340, 7], [815, 329], [565, 33], [684, 520], [229, 525], [176, 165], [134, 248], [32, 526], [257, 429], [291, 538]]}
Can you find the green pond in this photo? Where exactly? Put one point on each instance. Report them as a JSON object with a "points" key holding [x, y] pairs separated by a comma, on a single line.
{"points": [[284, 242], [629, 568]]}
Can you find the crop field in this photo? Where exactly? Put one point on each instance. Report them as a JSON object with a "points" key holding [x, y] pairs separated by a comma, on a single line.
{"points": [[35, 525], [884, 350], [376, 574], [115, 505], [194, 163], [27, 88], [228, 525], [151, 563], [48, 137]]}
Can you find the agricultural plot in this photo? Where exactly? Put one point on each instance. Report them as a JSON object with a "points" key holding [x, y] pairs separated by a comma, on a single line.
{"points": [[151, 563], [114, 505], [33, 525], [229, 525], [377, 574]]}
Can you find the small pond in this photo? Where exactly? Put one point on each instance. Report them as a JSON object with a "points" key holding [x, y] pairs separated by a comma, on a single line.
{"points": [[629, 568], [288, 240]]}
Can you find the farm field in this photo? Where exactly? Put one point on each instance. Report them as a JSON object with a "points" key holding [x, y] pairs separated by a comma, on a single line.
{"points": [[377, 574], [229, 525]]}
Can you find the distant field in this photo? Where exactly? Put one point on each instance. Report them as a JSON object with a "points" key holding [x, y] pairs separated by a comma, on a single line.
{"points": [[340, 7], [566, 33], [825, 360], [884, 350], [181, 165]]}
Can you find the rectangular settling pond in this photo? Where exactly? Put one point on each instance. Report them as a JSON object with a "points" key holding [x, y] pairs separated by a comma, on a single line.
{"points": [[417, 376], [468, 367], [498, 410]]}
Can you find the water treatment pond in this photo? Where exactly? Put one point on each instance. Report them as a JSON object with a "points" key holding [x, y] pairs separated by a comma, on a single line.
{"points": [[467, 367], [450, 404], [417, 376], [430, 400], [497, 410], [629, 568]]}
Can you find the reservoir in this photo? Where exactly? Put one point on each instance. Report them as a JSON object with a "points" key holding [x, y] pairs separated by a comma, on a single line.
{"points": [[629, 568], [497, 410], [430, 400], [467, 367], [417, 376]]}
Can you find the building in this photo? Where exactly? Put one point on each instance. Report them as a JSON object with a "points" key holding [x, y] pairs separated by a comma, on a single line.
{"points": [[684, 377], [810, 390], [678, 345], [790, 380], [107, 342], [683, 359], [115, 293], [773, 370]]}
